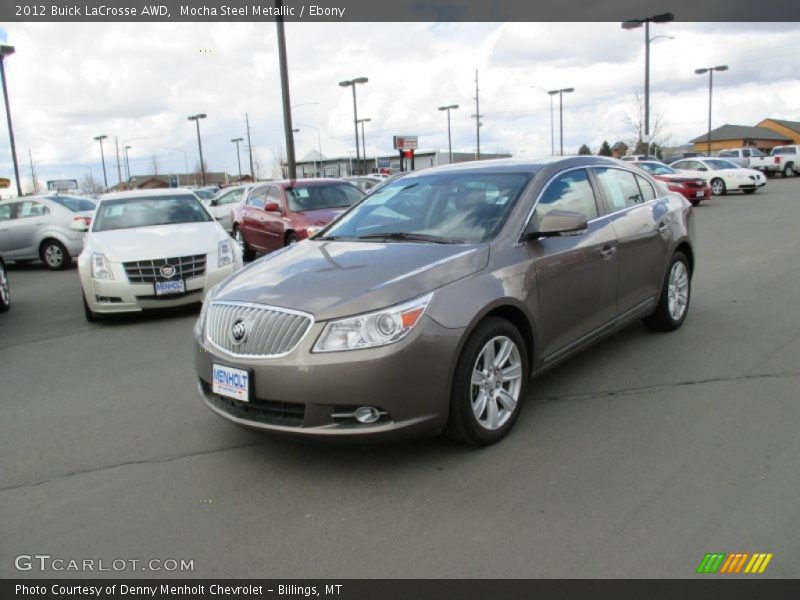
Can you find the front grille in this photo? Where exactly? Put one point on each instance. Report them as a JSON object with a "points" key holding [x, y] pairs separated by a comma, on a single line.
{"points": [[149, 271], [270, 331], [263, 411], [171, 296]]}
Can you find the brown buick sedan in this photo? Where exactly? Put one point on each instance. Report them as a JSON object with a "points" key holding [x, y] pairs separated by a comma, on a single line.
{"points": [[428, 306]]}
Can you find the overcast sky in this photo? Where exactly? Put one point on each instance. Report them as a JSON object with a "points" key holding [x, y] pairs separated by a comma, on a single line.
{"points": [[70, 82]]}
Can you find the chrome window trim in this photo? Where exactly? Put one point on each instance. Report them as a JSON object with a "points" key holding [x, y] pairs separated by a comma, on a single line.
{"points": [[258, 306], [644, 174]]}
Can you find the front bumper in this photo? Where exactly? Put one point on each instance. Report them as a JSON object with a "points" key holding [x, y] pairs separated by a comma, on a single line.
{"points": [[120, 296], [299, 394]]}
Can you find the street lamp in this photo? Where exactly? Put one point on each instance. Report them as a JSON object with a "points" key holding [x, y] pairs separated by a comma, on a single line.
{"points": [[551, 93], [319, 144], [561, 93], [449, 140], [710, 71], [352, 83], [100, 139], [127, 161], [196, 118], [634, 24], [238, 156], [363, 144], [8, 51], [185, 164]]}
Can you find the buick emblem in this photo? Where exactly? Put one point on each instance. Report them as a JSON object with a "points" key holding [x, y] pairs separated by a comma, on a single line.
{"points": [[238, 331], [167, 271]]}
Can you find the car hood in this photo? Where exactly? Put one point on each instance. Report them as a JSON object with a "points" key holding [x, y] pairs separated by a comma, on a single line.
{"points": [[337, 278], [159, 241]]}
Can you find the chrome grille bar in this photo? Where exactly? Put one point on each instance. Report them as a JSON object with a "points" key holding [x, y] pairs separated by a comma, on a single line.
{"points": [[148, 271]]}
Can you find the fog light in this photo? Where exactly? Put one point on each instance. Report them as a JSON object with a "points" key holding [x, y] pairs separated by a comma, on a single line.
{"points": [[367, 414]]}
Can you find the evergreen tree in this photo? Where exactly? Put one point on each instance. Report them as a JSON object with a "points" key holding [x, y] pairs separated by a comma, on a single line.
{"points": [[605, 149], [584, 149]]}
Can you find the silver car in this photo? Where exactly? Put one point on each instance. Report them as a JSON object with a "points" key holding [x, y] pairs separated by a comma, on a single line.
{"points": [[221, 205], [429, 305], [44, 227]]}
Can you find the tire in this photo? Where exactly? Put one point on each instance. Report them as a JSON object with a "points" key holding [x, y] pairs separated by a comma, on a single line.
{"points": [[469, 421], [694, 202], [291, 238], [54, 255], [718, 187], [769, 174], [673, 303], [788, 170], [5, 289], [92, 317], [753, 191], [248, 253]]}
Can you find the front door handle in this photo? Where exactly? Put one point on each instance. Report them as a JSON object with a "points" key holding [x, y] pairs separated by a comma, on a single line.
{"points": [[662, 227], [608, 251]]}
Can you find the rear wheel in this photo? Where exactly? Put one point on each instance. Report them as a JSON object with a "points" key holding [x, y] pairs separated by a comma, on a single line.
{"points": [[54, 255], [5, 289], [248, 253], [788, 170], [489, 384], [673, 304], [718, 187]]}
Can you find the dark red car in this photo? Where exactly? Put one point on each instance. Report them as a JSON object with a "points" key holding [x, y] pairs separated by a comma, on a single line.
{"points": [[693, 189], [279, 213]]}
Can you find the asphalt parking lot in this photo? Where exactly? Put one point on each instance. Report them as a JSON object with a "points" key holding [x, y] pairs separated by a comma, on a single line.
{"points": [[633, 459]]}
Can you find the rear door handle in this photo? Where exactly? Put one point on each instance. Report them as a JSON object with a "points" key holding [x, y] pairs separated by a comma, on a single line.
{"points": [[608, 251]]}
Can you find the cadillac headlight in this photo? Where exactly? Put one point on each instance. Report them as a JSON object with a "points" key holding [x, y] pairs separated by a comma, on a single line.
{"points": [[225, 254], [101, 269], [373, 329]]}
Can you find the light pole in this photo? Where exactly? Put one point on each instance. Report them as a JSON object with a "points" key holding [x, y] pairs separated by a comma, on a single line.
{"points": [[551, 93], [363, 144], [127, 162], [185, 164], [634, 24], [319, 145], [100, 139], [710, 71], [8, 51], [196, 118], [238, 156], [352, 83], [286, 100], [449, 139], [561, 93]]}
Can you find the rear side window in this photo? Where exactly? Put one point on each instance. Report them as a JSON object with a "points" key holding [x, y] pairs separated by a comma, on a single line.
{"points": [[729, 153], [32, 209], [619, 187], [648, 193], [569, 191]]}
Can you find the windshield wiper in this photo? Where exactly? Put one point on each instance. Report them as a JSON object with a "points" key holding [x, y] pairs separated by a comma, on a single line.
{"points": [[409, 237]]}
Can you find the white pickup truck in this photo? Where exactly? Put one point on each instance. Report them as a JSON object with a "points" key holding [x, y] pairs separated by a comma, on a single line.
{"points": [[752, 158], [788, 158]]}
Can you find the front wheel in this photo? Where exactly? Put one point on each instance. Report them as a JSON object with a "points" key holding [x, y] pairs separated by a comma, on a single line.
{"points": [[291, 238], [54, 255], [489, 384], [718, 187], [673, 304], [88, 313], [248, 253], [5, 289], [753, 191]]}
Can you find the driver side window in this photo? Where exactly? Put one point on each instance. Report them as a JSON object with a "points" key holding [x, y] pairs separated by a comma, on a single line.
{"points": [[257, 198]]}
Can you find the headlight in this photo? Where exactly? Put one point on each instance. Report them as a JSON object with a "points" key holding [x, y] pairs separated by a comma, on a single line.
{"points": [[101, 269], [201, 319], [373, 329], [224, 254]]}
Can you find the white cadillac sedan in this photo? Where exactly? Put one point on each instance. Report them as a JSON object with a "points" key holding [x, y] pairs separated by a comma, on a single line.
{"points": [[152, 249], [722, 175]]}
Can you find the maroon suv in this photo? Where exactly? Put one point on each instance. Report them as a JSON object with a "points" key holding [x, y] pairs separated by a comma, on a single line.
{"points": [[280, 213]]}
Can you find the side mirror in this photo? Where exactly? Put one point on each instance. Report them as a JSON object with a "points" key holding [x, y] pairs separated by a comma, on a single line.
{"points": [[214, 202], [272, 207], [556, 222]]}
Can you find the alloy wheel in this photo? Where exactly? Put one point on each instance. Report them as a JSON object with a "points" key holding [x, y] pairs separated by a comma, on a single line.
{"points": [[53, 256], [5, 291], [496, 383], [678, 290]]}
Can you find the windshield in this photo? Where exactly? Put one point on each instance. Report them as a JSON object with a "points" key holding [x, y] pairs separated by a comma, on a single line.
{"points": [[656, 168], [784, 150], [126, 213], [204, 194], [451, 208], [321, 197], [719, 165], [73, 203]]}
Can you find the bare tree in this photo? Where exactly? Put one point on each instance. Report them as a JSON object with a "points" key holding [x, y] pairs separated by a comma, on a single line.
{"points": [[198, 173], [278, 163], [89, 185], [659, 127], [154, 165]]}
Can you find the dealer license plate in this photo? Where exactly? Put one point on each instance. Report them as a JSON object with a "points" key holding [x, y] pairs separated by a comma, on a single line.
{"points": [[170, 287], [699, 194], [233, 383]]}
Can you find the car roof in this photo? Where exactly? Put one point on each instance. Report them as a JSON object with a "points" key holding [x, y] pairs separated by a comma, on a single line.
{"points": [[152, 193], [523, 165], [309, 181]]}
